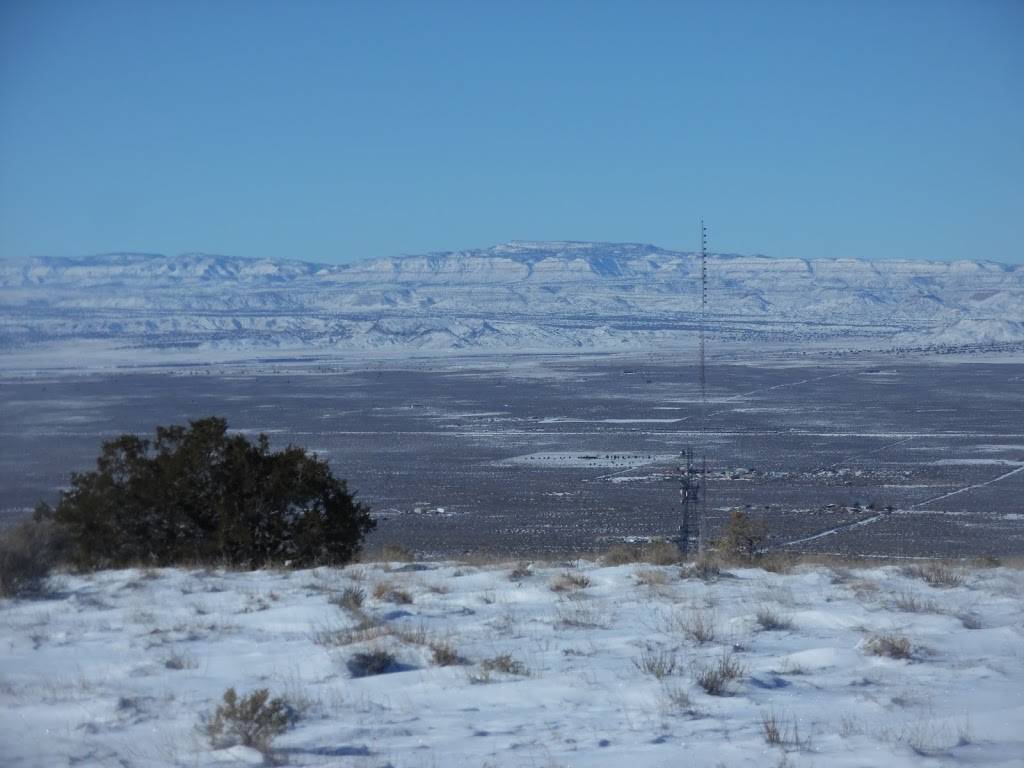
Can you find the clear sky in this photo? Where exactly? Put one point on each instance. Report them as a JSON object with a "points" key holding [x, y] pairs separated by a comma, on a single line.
{"points": [[332, 131]]}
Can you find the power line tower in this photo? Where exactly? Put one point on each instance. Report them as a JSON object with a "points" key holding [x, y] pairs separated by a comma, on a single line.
{"points": [[693, 482]]}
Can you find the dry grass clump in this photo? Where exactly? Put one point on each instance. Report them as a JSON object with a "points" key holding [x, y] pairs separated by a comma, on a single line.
{"points": [[389, 592], [621, 554], [658, 663], [676, 699], [444, 654], [779, 731], [936, 575], [779, 562], [394, 553], [651, 578], [717, 680], [580, 616], [349, 599], [365, 630], [568, 581], [889, 645], [662, 552], [908, 602], [656, 552], [771, 621], [706, 568], [698, 626], [252, 721], [864, 588], [503, 663]]}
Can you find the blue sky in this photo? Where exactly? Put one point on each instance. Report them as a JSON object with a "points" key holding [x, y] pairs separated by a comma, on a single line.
{"points": [[332, 131]]}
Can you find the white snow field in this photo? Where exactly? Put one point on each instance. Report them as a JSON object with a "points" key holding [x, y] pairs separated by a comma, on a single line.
{"points": [[578, 665]]}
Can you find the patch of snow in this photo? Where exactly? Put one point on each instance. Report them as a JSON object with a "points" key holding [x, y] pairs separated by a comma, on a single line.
{"points": [[119, 667]]}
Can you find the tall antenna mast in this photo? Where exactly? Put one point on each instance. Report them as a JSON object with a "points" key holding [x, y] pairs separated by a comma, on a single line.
{"points": [[692, 480], [703, 322], [703, 384]]}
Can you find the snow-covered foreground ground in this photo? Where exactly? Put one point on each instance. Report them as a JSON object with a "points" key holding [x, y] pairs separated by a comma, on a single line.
{"points": [[119, 667]]}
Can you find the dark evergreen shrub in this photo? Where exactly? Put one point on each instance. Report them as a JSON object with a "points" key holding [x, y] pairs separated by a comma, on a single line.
{"points": [[197, 494]]}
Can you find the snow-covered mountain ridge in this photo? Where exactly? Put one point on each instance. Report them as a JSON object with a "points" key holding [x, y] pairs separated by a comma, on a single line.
{"points": [[519, 295]]}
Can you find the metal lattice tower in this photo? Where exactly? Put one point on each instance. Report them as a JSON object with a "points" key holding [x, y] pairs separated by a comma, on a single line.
{"points": [[689, 495], [703, 384], [693, 482]]}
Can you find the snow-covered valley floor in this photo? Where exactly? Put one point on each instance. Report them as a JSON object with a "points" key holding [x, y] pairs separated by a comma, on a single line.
{"points": [[555, 665]]}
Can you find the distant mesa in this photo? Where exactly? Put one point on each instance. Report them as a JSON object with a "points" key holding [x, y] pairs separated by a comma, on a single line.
{"points": [[520, 296]]}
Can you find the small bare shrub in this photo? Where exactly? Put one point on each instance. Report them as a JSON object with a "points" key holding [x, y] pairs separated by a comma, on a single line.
{"points": [[178, 660], [253, 721], [520, 572], [850, 726], [367, 663], [717, 680], [658, 663], [770, 621], [907, 602], [349, 599], [936, 575], [770, 727], [889, 645], [503, 663], [576, 616], [445, 655], [781, 732], [676, 699], [698, 626], [621, 554], [570, 582], [662, 552], [706, 568], [743, 537], [28, 552], [411, 635]]}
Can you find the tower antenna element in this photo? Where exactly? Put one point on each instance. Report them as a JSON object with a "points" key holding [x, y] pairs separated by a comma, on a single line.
{"points": [[703, 384], [693, 481]]}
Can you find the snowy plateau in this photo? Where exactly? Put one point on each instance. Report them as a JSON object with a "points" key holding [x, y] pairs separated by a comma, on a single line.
{"points": [[517, 297], [532, 665]]}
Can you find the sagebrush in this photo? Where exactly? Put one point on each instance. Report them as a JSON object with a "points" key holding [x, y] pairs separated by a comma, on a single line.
{"points": [[252, 721]]}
